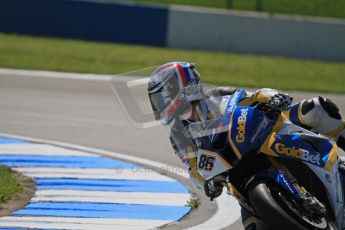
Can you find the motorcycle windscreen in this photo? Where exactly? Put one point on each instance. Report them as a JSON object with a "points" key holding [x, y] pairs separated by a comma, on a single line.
{"points": [[130, 90]]}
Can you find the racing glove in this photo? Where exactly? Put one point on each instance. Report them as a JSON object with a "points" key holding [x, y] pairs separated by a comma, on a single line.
{"points": [[280, 102], [213, 189]]}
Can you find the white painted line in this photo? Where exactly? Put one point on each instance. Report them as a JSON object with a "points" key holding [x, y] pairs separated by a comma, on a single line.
{"points": [[57, 75], [39, 149], [90, 173], [146, 198], [79, 223], [68, 76]]}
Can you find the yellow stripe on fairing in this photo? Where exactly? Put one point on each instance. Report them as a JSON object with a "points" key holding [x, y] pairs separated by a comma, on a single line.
{"points": [[193, 164], [266, 147], [332, 157]]}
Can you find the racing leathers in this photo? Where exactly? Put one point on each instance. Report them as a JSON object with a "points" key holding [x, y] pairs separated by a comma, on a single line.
{"points": [[320, 115]]}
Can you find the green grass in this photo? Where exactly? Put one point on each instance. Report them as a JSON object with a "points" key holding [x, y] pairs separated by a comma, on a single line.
{"points": [[325, 8], [9, 187], [215, 67]]}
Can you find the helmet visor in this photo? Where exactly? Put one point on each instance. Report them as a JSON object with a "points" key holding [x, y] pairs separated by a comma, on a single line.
{"points": [[157, 102], [162, 98]]}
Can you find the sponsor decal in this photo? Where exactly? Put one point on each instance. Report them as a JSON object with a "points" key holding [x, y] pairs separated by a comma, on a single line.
{"points": [[259, 130], [297, 153], [287, 184], [241, 126], [188, 90]]}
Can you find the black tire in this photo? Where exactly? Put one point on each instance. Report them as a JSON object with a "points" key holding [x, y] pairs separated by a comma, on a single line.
{"points": [[269, 210]]}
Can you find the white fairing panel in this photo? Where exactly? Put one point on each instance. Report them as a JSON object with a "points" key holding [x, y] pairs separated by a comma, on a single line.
{"points": [[209, 165], [331, 179], [332, 182]]}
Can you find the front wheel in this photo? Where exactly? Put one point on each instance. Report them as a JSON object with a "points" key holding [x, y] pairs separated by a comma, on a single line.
{"points": [[274, 207]]}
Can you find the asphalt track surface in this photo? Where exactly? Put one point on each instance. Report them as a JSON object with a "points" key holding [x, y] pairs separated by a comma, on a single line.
{"points": [[86, 113]]}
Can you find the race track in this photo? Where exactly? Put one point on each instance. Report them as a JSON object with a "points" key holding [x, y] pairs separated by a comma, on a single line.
{"points": [[77, 189], [86, 113]]}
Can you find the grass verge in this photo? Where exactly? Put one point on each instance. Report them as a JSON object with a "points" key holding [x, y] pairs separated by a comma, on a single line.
{"points": [[322, 8], [217, 68], [10, 187]]}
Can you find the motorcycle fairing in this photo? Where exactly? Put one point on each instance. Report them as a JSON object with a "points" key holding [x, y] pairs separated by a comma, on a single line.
{"points": [[292, 142], [233, 100], [333, 184], [248, 129], [279, 177]]}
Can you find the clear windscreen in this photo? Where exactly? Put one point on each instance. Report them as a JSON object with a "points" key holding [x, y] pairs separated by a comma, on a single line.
{"points": [[130, 90], [210, 127], [188, 135]]}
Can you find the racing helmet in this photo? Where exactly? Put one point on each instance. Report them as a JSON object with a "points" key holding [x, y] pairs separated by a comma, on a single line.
{"points": [[171, 89]]}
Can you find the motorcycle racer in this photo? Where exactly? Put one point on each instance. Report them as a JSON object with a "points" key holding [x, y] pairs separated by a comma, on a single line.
{"points": [[179, 99]]}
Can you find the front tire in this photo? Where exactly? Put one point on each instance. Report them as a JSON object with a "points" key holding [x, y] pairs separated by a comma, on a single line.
{"points": [[270, 210], [278, 212]]}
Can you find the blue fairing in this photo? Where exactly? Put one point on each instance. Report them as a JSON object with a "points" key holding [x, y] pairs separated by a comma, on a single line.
{"points": [[307, 148], [249, 129]]}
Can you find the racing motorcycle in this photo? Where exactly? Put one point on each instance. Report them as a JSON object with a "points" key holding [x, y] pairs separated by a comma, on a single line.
{"points": [[267, 162], [264, 160]]}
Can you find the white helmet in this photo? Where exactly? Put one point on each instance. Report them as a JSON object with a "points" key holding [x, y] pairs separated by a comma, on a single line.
{"points": [[171, 89]]}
